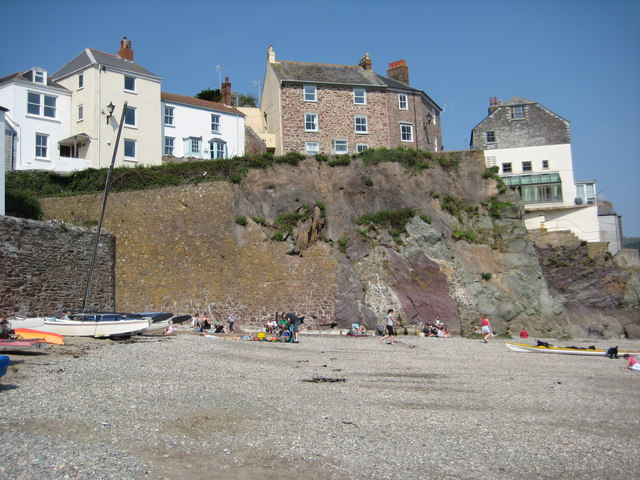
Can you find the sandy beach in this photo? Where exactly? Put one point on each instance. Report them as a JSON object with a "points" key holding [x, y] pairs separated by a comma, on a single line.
{"points": [[190, 407]]}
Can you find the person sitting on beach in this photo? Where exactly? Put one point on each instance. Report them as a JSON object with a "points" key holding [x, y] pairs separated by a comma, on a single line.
{"points": [[632, 363], [168, 330], [447, 333], [524, 333], [195, 321], [358, 329], [426, 329], [219, 328], [5, 328], [283, 323], [270, 326], [206, 323]]}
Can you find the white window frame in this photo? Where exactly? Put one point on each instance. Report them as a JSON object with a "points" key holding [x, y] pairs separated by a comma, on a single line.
{"points": [[40, 76], [361, 124], [215, 123], [341, 151], [218, 149], [80, 112], [41, 104], [169, 115], [311, 119], [42, 146], [490, 161], [506, 167], [131, 112], [490, 136], [189, 151], [133, 79], [545, 164], [361, 147], [81, 81], [517, 112], [527, 166], [406, 132], [359, 96], [312, 148], [128, 142], [169, 146], [310, 93], [403, 101]]}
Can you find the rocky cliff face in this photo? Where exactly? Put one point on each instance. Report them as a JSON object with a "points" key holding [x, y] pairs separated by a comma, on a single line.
{"points": [[295, 238]]}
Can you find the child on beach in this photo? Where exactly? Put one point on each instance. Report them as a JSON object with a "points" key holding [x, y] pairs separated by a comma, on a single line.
{"points": [[632, 363]]}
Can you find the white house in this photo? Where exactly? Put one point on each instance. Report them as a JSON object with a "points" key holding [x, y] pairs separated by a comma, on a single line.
{"points": [[37, 120], [194, 128], [531, 146], [100, 84]]}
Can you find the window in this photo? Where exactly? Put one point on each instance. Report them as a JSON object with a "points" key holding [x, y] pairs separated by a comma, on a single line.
{"points": [[215, 123], [359, 96], [340, 147], [42, 143], [192, 147], [39, 76], [312, 148], [80, 112], [129, 83], [517, 113], [168, 145], [545, 164], [218, 149], [402, 101], [310, 93], [361, 147], [168, 116], [526, 166], [43, 105], [506, 168], [490, 161], [129, 148], [80, 81], [311, 122], [491, 136], [362, 124], [130, 117], [406, 132]]}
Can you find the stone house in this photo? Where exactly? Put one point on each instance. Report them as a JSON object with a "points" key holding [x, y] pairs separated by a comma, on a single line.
{"points": [[194, 128], [337, 109], [531, 146]]}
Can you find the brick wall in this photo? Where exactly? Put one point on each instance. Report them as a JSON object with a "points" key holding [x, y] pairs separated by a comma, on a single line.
{"points": [[44, 267]]}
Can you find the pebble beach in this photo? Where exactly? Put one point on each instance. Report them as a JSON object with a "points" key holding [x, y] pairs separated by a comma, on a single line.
{"points": [[331, 407]]}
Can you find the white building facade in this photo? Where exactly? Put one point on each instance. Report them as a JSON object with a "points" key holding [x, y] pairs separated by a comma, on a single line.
{"points": [[194, 128], [37, 120]]}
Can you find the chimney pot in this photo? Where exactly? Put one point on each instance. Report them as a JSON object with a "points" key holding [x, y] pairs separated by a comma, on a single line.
{"points": [[398, 70], [125, 51]]}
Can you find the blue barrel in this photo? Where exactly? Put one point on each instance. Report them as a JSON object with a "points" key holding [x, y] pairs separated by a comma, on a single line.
{"points": [[4, 363]]}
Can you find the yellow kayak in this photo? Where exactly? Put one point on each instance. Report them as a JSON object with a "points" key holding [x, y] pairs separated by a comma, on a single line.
{"points": [[45, 337]]}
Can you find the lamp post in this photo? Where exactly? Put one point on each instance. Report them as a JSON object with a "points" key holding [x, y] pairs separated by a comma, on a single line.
{"points": [[110, 109], [429, 119]]}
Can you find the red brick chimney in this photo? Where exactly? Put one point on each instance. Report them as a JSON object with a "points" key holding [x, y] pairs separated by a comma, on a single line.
{"points": [[125, 49], [494, 103], [365, 62], [225, 90], [399, 71]]}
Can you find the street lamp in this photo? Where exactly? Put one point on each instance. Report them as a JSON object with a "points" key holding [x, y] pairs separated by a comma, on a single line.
{"points": [[429, 119], [110, 109]]}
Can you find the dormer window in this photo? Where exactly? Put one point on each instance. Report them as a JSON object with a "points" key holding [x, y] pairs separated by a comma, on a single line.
{"points": [[517, 113], [40, 76]]}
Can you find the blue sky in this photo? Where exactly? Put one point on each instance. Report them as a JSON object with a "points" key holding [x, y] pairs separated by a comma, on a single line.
{"points": [[578, 58]]}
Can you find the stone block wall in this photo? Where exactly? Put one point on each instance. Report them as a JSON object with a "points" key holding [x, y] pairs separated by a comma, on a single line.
{"points": [[179, 249], [44, 268]]}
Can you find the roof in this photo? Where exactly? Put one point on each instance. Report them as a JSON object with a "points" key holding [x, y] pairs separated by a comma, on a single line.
{"points": [[90, 57], [327, 73], [28, 77], [196, 102]]}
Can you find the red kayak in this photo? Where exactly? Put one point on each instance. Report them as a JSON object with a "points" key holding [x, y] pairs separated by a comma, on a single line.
{"points": [[16, 345]]}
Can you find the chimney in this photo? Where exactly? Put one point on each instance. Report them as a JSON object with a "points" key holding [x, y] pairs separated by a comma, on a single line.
{"points": [[125, 51], [271, 55], [494, 103], [225, 90], [399, 71], [365, 62]]}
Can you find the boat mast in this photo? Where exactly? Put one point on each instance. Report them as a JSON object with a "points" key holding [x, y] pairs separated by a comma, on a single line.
{"points": [[107, 186]]}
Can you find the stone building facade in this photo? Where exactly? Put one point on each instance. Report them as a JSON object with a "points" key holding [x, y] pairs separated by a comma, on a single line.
{"points": [[334, 109]]}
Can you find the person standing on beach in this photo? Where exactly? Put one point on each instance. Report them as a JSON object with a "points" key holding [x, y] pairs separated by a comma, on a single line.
{"points": [[486, 328], [232, 319], [295, 322], [391, 321]]}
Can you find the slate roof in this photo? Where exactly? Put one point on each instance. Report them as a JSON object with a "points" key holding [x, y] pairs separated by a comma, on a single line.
{"points": [[27, 76], [90, 56], [196, 102]]}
